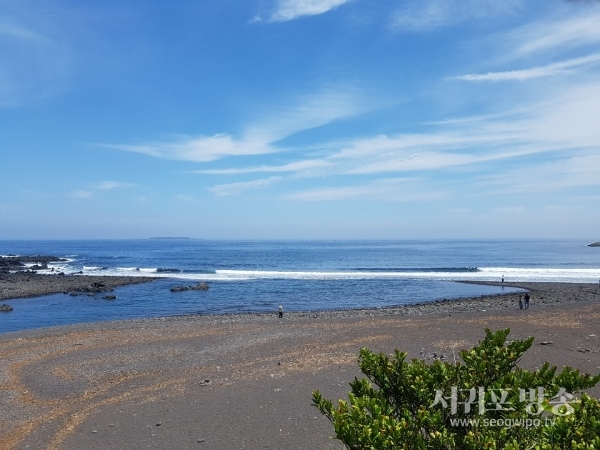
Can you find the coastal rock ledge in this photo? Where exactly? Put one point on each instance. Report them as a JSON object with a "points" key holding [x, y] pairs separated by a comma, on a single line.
{"points": [[595, 244], [198, 287]]}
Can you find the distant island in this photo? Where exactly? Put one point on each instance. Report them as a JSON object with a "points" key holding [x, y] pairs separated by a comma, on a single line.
{"points": [[595, 244], [170, 237]]}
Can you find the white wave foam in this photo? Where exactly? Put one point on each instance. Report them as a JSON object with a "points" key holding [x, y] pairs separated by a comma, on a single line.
{"points": [[484, 274], [510, 274]]}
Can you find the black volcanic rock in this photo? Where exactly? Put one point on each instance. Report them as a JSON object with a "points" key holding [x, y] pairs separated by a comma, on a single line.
{"points": [[595, 244], [20, 284], [180, 288], [197, 287], [18, 262]]}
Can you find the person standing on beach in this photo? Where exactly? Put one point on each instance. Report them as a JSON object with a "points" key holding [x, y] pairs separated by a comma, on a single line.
{"points": [[280, 312], [527, 298], [520, 301]]}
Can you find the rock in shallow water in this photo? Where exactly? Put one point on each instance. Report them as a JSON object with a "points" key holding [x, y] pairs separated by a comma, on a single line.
{"points": [[198, 287], [6, 307], [180, 289]]}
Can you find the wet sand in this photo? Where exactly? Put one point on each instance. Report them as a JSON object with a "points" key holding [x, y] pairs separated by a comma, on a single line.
{"points": [[245, 381]]}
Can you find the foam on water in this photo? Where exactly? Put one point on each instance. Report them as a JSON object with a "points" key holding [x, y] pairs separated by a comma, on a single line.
{"points": [[510, 274]]}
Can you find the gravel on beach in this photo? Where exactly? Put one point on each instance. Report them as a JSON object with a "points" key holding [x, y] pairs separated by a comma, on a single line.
{"points": [[241, 381]]}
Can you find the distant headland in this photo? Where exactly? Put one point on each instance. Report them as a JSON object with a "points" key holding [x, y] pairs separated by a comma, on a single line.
{"points": [[170, 237], [595, 244]]}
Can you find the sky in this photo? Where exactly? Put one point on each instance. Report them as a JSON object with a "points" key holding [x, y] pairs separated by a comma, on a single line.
{"points": [[300, 119]]}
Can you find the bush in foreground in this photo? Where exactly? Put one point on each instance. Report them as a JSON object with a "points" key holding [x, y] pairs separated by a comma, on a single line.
{"points": [[483, 402]]}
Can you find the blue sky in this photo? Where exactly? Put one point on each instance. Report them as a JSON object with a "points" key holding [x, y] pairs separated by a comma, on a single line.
{"points": [[299, 119]]}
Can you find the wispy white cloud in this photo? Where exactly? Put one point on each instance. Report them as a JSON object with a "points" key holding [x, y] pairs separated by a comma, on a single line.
{"points": [[185, 198], [581, 170], [102, 186], [108, 185], [568, 119], [291, 167], [534, 72], [391, 189], [198, 149], [550, 128], [307, 111], [575, 30], [260, 137], [426, 15], [555, 125], [35, 62], [11, 30], [81, 194], [510, 209], [294, 9], [443, 148], [240, 186]]}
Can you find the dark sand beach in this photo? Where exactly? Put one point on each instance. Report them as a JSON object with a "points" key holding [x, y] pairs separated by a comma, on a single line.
{"points": [[245, 381]]}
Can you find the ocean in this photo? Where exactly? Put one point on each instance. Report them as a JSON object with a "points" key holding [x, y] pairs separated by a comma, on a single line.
{"points": [[258, 276]]}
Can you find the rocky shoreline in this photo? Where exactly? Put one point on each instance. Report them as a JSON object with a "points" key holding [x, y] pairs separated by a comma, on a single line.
{"points": [[24, 284], [19, 279], [14, 263]]}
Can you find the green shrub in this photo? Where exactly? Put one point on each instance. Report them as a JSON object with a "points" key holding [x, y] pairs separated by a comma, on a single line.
{"points": [[409, 405]]}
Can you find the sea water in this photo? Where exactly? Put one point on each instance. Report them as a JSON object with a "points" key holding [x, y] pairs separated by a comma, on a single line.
{"points": [[258, 276]]}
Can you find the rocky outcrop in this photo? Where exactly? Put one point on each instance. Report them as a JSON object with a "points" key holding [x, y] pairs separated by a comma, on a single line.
{"points": [[595, 244], [95, 288], [197, 287], [17, 263], [19, 284], [180, 288], [5, 307], [200, 287], [109, 297]]}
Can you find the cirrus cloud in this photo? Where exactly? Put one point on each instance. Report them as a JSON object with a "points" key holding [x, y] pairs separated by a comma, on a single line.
{"points": [[197, 149], [293, 9], [534, 72], [240, 186]]}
